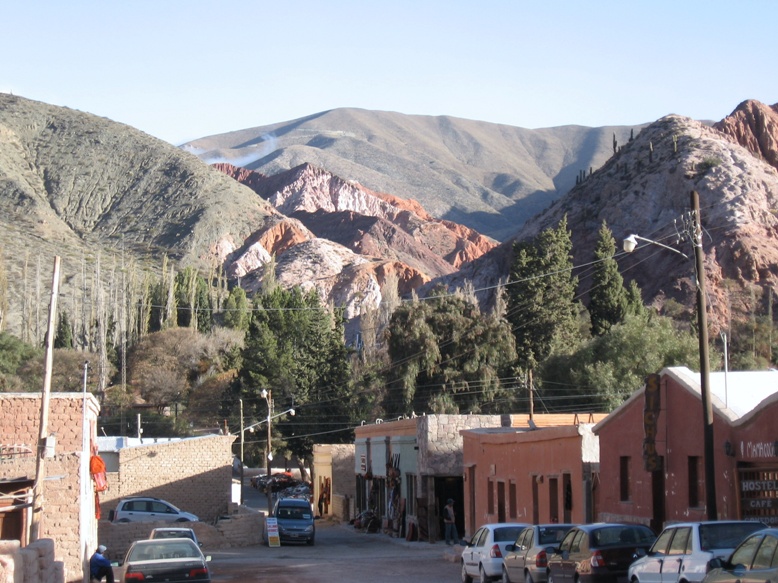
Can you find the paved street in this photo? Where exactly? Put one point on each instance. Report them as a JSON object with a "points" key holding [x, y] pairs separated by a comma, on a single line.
{"points": [[340, 554]]}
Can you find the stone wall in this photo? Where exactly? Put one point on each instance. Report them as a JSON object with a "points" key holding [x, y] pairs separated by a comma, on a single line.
{"points": [[440, 443], [193, 474]]}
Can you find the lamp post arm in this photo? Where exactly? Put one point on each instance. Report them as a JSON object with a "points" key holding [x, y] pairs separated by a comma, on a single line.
{"points": [[631, 242]]}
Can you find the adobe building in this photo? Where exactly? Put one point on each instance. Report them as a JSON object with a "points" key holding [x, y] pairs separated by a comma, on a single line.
{"points": [[69, 506], [535, 471], [652, 447], [407, 469], [333, 480]]}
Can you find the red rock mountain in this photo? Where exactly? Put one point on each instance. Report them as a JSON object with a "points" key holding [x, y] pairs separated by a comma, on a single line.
{"points": [[342, 230], [754, 125]]}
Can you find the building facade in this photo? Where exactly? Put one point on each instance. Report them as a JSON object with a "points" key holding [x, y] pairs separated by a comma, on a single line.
{"points": [[652, 448], [536, 473], [407, 469]]}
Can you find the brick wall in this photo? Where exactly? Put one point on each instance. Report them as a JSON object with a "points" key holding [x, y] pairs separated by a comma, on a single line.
{"points": [[194, 474], [68, 514]]}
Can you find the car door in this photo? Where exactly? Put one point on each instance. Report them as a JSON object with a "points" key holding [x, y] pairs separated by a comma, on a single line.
{"points": [[765, 565], [560, 560], [514, 560], [677, 554], [579, 552], [472, 552], [648, 569]]}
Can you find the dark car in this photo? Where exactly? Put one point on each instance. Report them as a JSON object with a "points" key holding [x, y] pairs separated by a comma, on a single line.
{"points": [[295, 520], [599, 553], [173, 560], [527, 558], [755, 560]]}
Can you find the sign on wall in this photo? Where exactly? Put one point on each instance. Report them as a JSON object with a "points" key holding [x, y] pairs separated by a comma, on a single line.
{"points": [[759, 495]]}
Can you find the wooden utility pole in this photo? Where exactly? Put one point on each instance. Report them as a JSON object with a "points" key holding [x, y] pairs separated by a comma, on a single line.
{"points": [[43, 435], [702, 324]]}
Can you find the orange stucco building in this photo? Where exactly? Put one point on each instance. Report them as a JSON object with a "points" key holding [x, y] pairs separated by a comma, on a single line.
{"points": [[535, 472]]}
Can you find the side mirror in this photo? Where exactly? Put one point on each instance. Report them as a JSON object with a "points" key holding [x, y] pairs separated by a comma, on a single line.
{"points": [[551, 550], [639, 552], [715, 563], [510, 548]]}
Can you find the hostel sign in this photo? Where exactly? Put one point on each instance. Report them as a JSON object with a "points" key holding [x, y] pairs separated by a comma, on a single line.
{"points": [[650, 417], [759, 495]]}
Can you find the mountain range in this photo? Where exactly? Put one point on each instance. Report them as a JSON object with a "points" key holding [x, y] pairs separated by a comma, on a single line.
{"points": [[345, 198]]}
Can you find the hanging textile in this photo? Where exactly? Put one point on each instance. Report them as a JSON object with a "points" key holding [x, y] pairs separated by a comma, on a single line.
{"points": [[97, 469]]}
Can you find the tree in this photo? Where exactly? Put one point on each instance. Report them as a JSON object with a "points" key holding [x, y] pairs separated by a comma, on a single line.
{"points": [[295, 348], [236, 310], [541, 303], [607, 296], [64, 337], [446, 357], [193, 300], [609, 368]]}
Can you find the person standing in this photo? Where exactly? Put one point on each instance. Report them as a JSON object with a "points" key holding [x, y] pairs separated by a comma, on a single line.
{"points": [[100, 566], [449, 519]]}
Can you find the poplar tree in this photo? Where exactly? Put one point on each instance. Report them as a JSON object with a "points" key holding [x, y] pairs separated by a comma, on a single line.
{"points": [[607, 296]]}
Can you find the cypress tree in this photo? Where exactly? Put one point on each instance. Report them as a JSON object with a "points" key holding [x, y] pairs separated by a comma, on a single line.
{"points": [[607, 296]]}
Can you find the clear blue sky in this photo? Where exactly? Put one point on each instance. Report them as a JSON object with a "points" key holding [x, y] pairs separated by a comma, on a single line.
{"points": [[184, 69]]}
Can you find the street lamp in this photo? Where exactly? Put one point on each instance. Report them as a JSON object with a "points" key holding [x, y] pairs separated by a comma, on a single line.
{"points": [[630, 243], [268, 396]]}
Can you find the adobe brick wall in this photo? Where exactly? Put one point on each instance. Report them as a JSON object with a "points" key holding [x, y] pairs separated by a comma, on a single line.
{"points": [[63, 506], [194, 474]]}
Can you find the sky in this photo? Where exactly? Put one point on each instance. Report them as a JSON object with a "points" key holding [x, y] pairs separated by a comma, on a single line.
{"points": [[185, 69]]}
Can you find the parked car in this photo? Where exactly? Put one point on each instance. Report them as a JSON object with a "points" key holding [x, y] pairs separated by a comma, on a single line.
{"points": [[598, 553], [175, 532], [295, 520], [527, 558], [682, 551], [483, 553], [755, 560], [145, 509], [173, 560]]}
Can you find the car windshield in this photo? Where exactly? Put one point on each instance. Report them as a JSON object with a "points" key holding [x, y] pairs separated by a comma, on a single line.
{"points": [[172, 534], [170, 550], [621, 535], [294, 513], [725, 535], [507, 533]]}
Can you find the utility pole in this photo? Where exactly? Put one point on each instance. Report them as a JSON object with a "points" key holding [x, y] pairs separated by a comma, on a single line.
{"points": [[702, 323], [241, 452], [43, 435], [269, 457]]}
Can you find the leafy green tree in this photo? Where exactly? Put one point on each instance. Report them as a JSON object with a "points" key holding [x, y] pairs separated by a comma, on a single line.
{"points": [[64, 337], [295, 348], [447, 357], [14, 354], [607, 296], [542, 309], [236, 310], [609, 368]]}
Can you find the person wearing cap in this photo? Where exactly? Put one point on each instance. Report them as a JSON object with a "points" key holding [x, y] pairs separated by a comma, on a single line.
{"points": [[100, 566], [449, 519]]}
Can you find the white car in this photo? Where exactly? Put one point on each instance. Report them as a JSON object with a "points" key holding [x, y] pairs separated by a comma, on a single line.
{"points": [[681, 552], [483, 555], [147, 509]]}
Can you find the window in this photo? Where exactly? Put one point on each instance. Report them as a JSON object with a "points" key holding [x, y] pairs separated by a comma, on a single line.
{"points": [[695, 483], [744, 554], [680, 541], [764, 556], [575, 547], [660, 546], [624, 477]]}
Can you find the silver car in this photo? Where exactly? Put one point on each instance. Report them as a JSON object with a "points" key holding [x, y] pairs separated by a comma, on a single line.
{"points": [[147, 509], [527, 558], [682, 551], [483, 554]]}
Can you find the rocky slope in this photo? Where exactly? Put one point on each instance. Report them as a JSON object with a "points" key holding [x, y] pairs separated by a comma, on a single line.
{"points": [[489, 177], [645, 189], [754, 125]]}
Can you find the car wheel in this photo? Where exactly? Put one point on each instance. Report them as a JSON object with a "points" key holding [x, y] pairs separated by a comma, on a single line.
{"points": [[123, 520], [482, 578], [505, 578], [528, 577], [310, 541], [182, 520], [465, 577]]}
